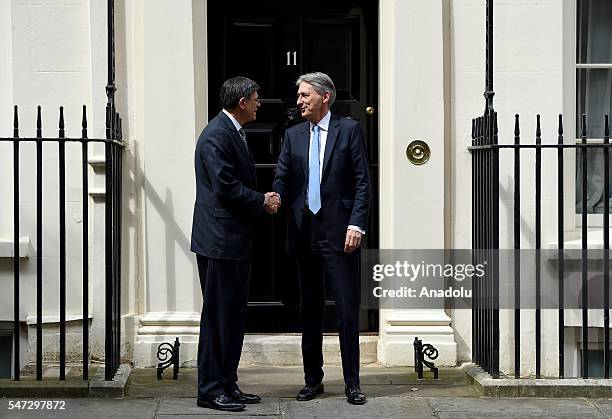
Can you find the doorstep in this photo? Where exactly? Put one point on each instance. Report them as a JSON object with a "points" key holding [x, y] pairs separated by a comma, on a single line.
{"points": [[286, 350], [281, 349]]}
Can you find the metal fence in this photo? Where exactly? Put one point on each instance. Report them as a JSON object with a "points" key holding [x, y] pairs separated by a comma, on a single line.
{"points": [[485, 151], [485, 239], [113, 167]]}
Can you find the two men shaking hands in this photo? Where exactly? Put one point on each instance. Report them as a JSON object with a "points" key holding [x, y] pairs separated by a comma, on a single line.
{"points": [[323, 182]]}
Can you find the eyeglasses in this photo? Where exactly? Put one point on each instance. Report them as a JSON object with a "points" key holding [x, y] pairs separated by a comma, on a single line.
{"points": [[256, 100]]}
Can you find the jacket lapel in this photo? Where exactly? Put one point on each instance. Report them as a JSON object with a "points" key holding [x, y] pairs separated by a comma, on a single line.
{"points": [[305, 144], [332, 136], [236, 136], [240, 145]]}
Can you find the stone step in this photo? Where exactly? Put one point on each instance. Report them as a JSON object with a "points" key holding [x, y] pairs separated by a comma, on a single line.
{"points": [[258, 349], [286, 350]]}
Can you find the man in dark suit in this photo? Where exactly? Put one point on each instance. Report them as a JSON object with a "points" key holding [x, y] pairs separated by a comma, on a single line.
{"points": [[224, 216], [322, 179]]}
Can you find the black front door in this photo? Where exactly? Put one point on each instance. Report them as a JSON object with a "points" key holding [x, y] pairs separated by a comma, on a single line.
{"points": [[273, 42]]}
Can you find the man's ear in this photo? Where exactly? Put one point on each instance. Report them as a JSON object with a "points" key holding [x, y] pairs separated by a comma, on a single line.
{"points": [[241, 103], [326, 97]]}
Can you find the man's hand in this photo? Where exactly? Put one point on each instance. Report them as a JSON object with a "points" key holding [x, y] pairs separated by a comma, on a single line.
{"points": [[271, 202], [352, 241]]}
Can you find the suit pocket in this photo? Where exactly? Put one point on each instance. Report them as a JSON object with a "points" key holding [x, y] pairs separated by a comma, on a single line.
{"points": [[348, 203], [222, 213]]}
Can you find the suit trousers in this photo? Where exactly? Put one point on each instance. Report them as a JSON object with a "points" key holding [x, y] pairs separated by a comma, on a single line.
{"points": [[225, 285], [319, 263]]}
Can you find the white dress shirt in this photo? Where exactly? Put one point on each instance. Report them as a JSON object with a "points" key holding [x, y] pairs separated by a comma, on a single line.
{"points": [[324, 129], [234, 121], [238, 128]]}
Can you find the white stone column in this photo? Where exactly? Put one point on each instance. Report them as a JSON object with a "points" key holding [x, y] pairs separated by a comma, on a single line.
{"points": [[173, 70], [413, 105]]}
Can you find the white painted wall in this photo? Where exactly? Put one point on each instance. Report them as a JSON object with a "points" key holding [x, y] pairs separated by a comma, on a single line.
{"points": [[129, 47], [170, 135], [56, 57], [50, 67], [6, 118], [172, 83]]}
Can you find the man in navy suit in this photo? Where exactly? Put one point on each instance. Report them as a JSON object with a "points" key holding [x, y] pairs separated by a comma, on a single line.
{"points": [[224, 216], [322, 179]]}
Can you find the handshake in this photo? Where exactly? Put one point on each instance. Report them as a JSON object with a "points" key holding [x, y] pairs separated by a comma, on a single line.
{"points": [[272, 202]]}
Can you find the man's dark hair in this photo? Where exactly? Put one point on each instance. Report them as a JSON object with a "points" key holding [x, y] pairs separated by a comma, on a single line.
{"points": [[234, 89]]}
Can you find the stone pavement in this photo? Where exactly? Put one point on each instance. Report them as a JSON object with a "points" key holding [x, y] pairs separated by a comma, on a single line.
{"points": [[392, 392]]}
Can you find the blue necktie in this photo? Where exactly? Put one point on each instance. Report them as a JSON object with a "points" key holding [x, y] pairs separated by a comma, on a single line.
{"points": [[314, 186]]}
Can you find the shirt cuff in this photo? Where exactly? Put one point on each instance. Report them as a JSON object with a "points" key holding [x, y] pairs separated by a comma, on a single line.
{"points": [[359, 229]]}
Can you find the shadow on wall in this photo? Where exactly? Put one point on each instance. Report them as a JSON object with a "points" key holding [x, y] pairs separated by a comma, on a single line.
{"points": [[134, 184], [173, 234]]}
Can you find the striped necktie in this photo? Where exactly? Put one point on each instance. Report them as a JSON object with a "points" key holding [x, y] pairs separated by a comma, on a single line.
{"points": [[243, 137]]}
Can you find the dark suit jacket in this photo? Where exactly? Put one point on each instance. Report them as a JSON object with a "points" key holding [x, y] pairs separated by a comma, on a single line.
{"points": [[226, 201], [345, 182]]}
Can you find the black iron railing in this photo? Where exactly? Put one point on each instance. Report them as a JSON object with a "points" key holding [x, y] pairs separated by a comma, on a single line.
{"points": [[422, 350], [169, 354], [113, 149], [485, 151], [485, 239], [113, 169]]}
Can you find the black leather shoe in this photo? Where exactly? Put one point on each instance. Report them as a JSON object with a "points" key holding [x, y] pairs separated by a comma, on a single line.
{"points": [[221, 402], [310, 392], [354, 395], [245, 398]]}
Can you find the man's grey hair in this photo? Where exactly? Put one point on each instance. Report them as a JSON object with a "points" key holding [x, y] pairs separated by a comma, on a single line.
{"points": [[234, 89], [321, 83]]}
